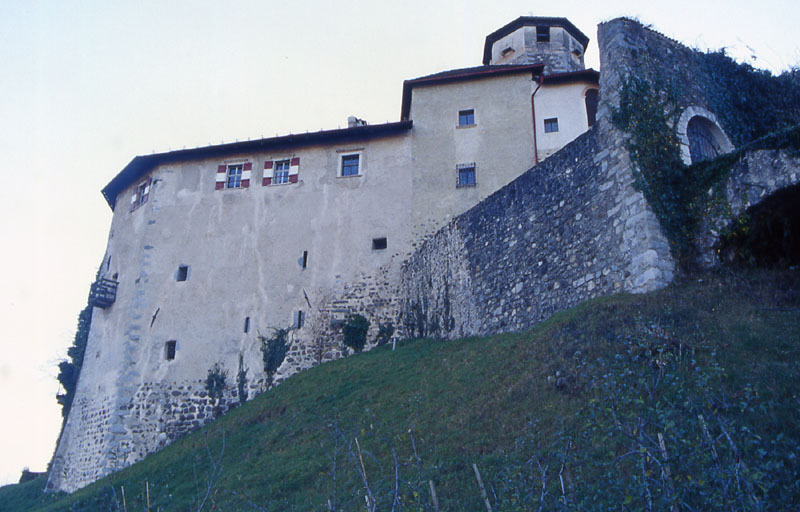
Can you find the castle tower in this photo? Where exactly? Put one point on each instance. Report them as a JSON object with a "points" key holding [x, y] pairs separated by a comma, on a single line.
{"points": [[555, 42]]}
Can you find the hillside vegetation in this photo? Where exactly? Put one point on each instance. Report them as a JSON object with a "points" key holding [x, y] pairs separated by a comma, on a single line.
{"points": [[686, 398]]}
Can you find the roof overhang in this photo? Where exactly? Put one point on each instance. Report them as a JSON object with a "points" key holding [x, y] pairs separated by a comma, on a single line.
{"points": [[462, 75], [531, 21], [141, 165]]}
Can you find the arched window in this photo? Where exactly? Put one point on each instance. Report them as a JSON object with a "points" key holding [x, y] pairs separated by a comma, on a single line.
{"points": [[591, 106], [702, 143]]}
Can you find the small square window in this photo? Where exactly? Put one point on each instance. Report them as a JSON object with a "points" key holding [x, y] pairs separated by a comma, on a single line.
{"points": [[233, 178], [169, 350], [466, 175], [281, 172], [543, 34], [183, 273], [551, 125], [466, 117], [350, 165], [378, 244]]}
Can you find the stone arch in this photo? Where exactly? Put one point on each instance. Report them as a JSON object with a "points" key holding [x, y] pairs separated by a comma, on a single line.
{"points": [[770, 236], [700, 135]]}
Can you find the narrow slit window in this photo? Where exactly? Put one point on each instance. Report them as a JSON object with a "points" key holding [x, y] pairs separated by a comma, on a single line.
{"points": [[169, 350], [378, 244], [299, 319], [247, 324], [183, 273], [551, 125], [305, 259]]}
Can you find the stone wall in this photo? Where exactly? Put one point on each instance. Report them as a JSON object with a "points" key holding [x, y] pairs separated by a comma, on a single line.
{"points": [[570, 229]]}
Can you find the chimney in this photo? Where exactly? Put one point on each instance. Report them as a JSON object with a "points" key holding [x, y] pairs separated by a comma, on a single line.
{"points": [[353, 121]]}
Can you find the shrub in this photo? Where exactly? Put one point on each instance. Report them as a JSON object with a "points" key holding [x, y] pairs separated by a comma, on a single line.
{"points": [[216, 381], [355, 332], [241, 379], [273, 352]]}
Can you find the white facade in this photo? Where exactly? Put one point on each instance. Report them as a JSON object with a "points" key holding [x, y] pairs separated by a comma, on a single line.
{"points": [[208, 255]]}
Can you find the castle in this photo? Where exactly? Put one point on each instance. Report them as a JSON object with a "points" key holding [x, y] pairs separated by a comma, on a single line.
{"points": [[502, 194]]}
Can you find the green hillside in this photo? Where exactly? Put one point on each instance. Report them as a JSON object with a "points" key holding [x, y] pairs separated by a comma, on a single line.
{"points": [[567, 416]]}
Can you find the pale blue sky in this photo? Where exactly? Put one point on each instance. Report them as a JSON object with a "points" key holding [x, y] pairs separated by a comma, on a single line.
{"points": [[86, 86]]}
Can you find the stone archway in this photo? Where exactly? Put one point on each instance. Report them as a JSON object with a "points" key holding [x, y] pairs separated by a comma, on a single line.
{"points": [[770, 235], [701, 136]]}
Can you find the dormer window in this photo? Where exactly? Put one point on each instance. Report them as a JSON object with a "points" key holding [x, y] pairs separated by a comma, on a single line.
{"points": [[543, 34]]}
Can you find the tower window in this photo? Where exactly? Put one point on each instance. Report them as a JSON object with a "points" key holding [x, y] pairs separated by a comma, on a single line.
{"points": [[304, 262], [466, 117], [183, 273], [247, 324], [591, 106], [299, 319], [378, 244], [543, 34], [551, 125], [169, 350]]}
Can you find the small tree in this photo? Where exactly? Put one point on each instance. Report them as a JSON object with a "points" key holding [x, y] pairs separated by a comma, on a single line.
{"points": [[216, 381], [241, 379], [355, 332], [273, 352]]}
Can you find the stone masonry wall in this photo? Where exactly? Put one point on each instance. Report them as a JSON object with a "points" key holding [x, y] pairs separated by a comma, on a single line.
{"points": [[569, 229]]}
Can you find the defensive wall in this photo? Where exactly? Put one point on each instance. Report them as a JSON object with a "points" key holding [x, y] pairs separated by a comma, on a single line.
{"points": [[576, 226]]}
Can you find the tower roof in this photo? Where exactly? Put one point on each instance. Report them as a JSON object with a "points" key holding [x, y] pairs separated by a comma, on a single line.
{"points": [[531, 21]]}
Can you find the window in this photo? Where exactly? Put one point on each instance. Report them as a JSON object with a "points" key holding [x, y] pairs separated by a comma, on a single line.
{"points": [[169, 350], [591, 106], [233, 178], [543, 34], [246, 324], [233, 175], [183, 273], [140, 194], [702, 145], [466, 117], [350, 165], [378, 244], [304, 262], [508, 51], [281, 172], [299, 319], [466, 175], [551, 125]]}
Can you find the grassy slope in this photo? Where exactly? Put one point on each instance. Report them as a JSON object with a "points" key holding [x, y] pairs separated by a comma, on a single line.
{"points": [[499, 402]]}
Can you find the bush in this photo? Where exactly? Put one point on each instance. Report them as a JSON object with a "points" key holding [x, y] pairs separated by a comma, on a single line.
{"points": [[273, 352], [355, 332], [216, 381]]}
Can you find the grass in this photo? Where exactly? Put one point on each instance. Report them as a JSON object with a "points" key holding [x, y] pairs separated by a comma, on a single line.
{"points": [[725, 346]]}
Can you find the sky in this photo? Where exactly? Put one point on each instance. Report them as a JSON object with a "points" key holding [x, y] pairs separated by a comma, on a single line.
{"points": [[86, 86]]}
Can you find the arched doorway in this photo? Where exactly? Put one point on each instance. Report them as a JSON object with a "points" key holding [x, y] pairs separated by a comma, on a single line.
{"points": [[770, 237]]}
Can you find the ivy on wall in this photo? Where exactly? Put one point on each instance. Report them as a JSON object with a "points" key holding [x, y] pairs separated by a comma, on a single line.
{"points": [[757, 111]]}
